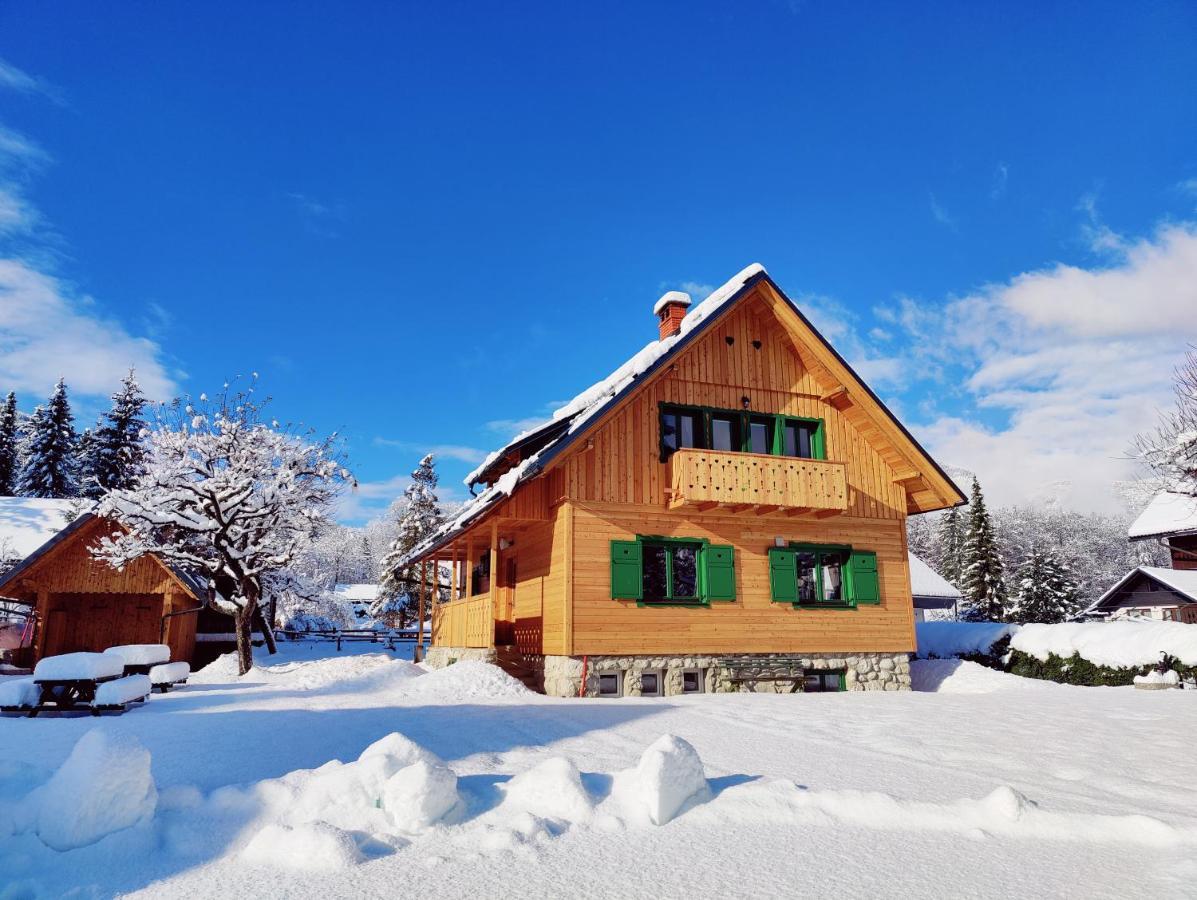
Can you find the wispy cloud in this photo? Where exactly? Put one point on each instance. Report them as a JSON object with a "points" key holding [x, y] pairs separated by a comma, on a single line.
{"points": [[461, 453], [940, 214], [371, 499], [509, 428], [318, 217], [1001, 177], [14, 79]]}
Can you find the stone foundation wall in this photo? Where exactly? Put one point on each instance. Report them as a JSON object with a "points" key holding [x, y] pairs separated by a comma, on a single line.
{"points": [[439, 657], [862, 672]]}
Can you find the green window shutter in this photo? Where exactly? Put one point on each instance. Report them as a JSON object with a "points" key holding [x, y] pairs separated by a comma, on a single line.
{"points": [[718, 572], [863, 585], [626, 580], [783, 575], [817, 448]]}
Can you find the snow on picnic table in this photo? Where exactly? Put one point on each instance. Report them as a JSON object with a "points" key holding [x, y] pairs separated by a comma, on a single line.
{"points": [[990, 786]]}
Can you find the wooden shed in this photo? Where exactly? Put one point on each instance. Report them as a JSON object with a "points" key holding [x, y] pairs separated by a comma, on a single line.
{"points": [[81, 603]]}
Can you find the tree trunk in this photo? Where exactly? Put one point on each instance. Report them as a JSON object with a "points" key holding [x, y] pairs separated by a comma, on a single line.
{"points": [[267, 632], [243, 623]]}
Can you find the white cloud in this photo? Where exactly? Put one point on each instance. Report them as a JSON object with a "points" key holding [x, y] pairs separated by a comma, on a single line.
{"points": [[46, 332], [1076, 360], [14, 79], [940, 214], [373, 498], [441, 451], [1001, 177], [509, 428]]}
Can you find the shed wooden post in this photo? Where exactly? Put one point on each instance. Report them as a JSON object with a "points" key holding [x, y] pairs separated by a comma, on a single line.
{"points": [[494, 572], [469, 561], [420, 611]]}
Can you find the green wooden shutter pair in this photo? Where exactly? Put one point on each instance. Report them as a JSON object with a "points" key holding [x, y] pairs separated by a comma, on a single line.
{"points": [[718, 567], [716, 572], [863, 585]]}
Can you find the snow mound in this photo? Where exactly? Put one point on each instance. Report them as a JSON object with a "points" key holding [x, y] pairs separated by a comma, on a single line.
{"points": [[552, 790], [944, 640], [1116, 644], [958, 676], [78, 665], [104, 786], [310, 674], [141, 654], [670, 775], [1170, 678], [420, 795], [314, 847], [401, 751], [469, 679]]}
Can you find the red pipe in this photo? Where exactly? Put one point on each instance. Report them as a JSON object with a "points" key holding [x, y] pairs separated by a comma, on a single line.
{"points": [[582, 686]]}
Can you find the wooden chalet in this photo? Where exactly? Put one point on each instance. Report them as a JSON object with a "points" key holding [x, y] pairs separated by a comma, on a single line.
{"points": [[728, 508], [80, 603]]}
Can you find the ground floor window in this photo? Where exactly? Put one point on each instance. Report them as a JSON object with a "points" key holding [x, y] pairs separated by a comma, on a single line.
{"points": [[610, 684], [820, 681], [672, 571], [823, 575], [692, 681]]}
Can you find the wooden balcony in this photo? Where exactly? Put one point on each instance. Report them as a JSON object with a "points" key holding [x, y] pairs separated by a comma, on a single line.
{"points": [[704, 479], [469, 622]]}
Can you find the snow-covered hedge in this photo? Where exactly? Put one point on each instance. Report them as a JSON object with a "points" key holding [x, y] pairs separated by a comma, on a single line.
{"points": [[1088, 653]]}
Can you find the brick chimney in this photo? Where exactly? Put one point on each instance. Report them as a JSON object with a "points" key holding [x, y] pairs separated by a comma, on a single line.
{"points": [[670, 310]]}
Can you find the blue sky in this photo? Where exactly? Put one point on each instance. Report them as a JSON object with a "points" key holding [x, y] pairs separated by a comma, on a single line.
{"points": [[423, 224]]}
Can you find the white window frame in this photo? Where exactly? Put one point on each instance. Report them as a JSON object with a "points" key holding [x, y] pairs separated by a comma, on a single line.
{"points": [[618, 676], [660, 691], [702, 680]]}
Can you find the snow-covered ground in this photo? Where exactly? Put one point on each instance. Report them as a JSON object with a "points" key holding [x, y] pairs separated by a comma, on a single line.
{"points": [[979, 784]]}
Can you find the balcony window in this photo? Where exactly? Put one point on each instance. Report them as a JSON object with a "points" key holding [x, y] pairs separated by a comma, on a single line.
{"points": [[681, 427], [738, 431], [725, 431], [760, 434]]}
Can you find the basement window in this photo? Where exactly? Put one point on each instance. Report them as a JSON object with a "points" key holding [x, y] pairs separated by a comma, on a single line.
{"points": [[610, 684], [822, 681], [692, 681], [651, 683]]}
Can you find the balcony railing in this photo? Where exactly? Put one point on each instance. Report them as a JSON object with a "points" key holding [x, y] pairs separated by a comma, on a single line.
{"points": [[708, 478], [464, 623]]}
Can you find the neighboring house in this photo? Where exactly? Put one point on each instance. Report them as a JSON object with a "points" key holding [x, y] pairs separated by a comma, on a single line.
{"points": [[1150, 592], [731, 493], [930, 590], [81, 603], [356, 600], [1171, 519]]}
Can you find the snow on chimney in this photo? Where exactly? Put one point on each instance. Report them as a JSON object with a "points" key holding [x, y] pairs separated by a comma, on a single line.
{"points": [[670, 310]]}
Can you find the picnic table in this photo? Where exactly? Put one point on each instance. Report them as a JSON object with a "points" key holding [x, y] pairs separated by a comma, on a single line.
{"points": [[91, 683], [152, 660]]}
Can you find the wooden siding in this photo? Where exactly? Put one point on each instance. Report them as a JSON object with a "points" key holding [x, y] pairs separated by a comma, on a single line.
{"points": [[621, 463], [85, 604], [756, 479], [752, 623]]}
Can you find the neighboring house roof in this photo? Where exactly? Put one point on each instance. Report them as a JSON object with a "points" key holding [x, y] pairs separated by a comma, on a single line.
{"points": [[547, 441], [28, 522], [1180, 581], [196, 585], [930, 589], [1168, 514], [356, 593]]}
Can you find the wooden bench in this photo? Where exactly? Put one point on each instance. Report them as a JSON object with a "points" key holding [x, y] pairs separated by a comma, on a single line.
{"points": [[750, 670], [75, 683]]}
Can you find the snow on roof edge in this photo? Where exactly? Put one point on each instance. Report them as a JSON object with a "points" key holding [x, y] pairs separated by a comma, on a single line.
{"points": [[1168, 513], [926, 582]]}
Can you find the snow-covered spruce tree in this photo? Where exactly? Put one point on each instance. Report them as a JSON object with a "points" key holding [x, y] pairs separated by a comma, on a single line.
{"points": [[950, 561], [421, 516], [116, 453], [9, 446], [50, 467], [982, 581], [1046, 592], [226, 495]]}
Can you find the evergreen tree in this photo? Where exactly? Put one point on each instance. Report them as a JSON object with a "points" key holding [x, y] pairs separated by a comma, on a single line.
{"points": [[1046, 590], [950, 561], [115, 455], [51, 466], [10, 436], [421, 516], [983, 584]]}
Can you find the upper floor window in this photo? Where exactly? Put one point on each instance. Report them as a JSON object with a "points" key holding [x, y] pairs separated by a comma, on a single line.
{"points": [[738, 431]]}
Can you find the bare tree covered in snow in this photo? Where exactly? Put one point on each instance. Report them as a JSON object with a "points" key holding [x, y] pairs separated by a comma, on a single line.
{"points": [[1171, 449], [227, 495]]}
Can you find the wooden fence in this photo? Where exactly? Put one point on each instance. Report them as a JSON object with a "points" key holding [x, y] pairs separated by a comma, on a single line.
{"points": [[469, 622]]}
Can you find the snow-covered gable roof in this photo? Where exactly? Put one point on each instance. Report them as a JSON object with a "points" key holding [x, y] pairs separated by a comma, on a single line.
{"points": [[28, 522], [571, 419], [362, 593], [1182, 581], [926, 582], [1169, 513]]}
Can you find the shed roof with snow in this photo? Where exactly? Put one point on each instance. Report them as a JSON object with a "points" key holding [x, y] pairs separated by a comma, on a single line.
{"points": [[930, 589], [1149, 586], [356, 593]]}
